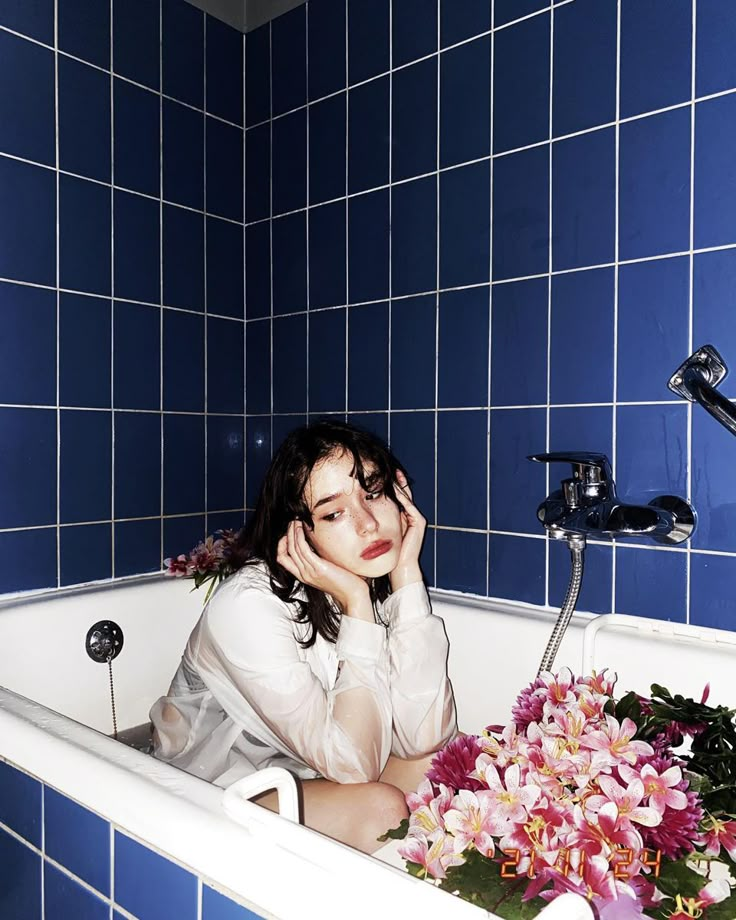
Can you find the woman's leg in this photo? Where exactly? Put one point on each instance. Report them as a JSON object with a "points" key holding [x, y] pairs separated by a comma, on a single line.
{"points": [[353, 813], [406, 774], [358, 813]]}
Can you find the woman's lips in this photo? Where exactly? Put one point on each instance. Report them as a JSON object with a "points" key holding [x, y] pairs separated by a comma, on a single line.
{"points": [[376, 549]]}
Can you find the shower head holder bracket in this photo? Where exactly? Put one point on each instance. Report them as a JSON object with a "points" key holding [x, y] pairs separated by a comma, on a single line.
{"points": [[707, 363]]}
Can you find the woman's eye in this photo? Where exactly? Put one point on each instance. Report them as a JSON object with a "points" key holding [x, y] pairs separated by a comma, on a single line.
{"points": [[370, 496], [331, 517]]}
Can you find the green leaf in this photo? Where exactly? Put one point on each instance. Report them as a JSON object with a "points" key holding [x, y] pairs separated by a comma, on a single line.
{"points": [[415, 869], [698, 783], [479, 881], [725, 910], [676, 877], [396, 833], [628, 707]]}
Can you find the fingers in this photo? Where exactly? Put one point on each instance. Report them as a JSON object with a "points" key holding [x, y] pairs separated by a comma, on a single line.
{"points": [[295, 554], [404, 497], [284, 559], [403, 484], [301, 546]]}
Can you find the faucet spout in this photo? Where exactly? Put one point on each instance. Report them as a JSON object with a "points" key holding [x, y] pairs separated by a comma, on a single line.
{"points": [[629, 520], [587, 506]]}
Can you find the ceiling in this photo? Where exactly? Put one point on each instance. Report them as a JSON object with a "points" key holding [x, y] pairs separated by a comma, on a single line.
{"points": [[246, 14]]}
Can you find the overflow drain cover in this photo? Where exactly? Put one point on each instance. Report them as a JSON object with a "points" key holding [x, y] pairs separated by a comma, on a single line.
{"points": [[104, 641]]}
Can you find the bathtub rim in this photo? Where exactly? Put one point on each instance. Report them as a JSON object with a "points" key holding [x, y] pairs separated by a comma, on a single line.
{"points": [[461, 598], [249, 862], [126, 788]]}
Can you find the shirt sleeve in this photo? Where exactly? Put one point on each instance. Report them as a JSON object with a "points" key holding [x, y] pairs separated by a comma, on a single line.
{"points": [[421, 694], [344, 733]]}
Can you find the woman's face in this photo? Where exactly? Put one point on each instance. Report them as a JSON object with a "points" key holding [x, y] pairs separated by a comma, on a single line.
{"points": [[357, 529]]}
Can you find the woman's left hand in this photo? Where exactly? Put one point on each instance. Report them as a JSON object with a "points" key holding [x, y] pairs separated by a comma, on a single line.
{"points": [[413, 526]]}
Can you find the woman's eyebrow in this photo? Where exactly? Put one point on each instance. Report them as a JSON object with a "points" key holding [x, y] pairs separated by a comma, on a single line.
{"points": [[326, 499]]}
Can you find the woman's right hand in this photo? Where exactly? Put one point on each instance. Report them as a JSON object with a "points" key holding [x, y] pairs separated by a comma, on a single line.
{"points": [[350, 591]]}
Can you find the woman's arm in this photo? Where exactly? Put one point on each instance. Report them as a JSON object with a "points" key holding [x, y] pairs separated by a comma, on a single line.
{"points": [[255, 667], [422, 701], [421, 695]]}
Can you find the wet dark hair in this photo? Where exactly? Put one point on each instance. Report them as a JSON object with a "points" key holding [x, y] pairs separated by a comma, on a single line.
{"points": [[281, 500]]}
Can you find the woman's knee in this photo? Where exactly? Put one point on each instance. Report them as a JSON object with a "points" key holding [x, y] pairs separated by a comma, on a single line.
{"points": [[386, 804]]}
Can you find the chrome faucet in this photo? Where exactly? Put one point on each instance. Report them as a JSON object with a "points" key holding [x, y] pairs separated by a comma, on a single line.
{"points": [[586, 505]]}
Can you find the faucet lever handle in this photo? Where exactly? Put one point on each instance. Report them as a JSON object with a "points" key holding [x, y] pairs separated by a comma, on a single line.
{"points": [[579, 459], [591, 470]]}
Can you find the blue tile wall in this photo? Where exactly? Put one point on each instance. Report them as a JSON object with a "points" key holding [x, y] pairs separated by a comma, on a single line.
{"points": [[125, 326], [520, 250], [453, 225], [61, 860]]}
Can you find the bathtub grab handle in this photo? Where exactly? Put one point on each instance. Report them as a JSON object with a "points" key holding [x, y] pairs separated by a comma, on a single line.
{"points": [[263, 781]]}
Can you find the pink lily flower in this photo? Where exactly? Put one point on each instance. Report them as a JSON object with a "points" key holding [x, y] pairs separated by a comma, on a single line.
{"points": [[658, 786], [646, 891], [598, 879], [600, 683], [511, 801], [435, 858], [542, 830], [713, 893], [470, 821], [423, 796], [429, 819], [546, 773], [602, 838], [626, 800], [569, 725], [720, 834], [558, 689], [593, 881], [179, 567], [501, 751], [592, 706], [613, 743]]}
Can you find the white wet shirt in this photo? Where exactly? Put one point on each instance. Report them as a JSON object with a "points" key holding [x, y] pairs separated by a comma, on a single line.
{"points": [[247, 695]]}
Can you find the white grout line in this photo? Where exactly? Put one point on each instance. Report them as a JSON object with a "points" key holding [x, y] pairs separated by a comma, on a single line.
{"points": [[347, 237], [481, 408], [112, 869], [390, 203], [245, 327], [206, 318], [489, 365], [162, 552], [691, 294], [616, 254], [270, 211], [503, 281], [548, 414], [436, 509], [112, 290], [58, 314], [308, 320]]}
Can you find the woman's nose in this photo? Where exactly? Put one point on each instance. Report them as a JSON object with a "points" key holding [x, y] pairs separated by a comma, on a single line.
{"points": [[367, 522]]}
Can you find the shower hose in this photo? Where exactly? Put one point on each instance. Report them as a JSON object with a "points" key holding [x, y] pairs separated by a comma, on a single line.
{"points": [[577, 548]]}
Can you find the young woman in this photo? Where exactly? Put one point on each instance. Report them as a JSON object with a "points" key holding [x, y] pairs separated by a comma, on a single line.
{"points": [[320, 653]]}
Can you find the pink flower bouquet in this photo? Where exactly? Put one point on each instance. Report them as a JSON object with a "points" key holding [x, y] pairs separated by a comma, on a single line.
{"points": [[584, 793], [209, 561]]}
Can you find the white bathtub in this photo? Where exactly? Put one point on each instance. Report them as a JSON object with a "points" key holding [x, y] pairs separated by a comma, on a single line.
{"points": [[55, 716]]}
